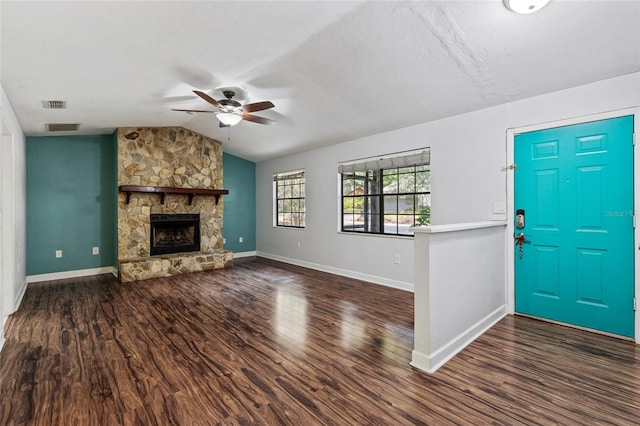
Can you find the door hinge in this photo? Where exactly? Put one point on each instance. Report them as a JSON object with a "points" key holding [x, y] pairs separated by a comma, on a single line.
{"points": [[634, 139], [634, 304], [634, 221]]}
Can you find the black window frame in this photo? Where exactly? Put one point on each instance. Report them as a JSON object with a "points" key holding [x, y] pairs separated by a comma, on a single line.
{"points": [[375, 199], [290, 198]]}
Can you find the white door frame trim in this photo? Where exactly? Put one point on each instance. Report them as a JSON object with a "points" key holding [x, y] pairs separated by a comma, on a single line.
{"points": [[511, 133]]}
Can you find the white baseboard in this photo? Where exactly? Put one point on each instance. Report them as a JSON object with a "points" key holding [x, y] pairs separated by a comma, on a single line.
{"points": [[72, 274], [343, 272], [421, 361], [10, 306], [4, 324], [244, 254], [19, 296], [432, 362]]}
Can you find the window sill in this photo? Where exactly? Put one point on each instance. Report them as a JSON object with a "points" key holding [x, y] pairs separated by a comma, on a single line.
{"points": [[368, 234]]}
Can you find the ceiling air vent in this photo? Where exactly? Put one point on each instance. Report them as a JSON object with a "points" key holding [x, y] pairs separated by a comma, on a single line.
{"points": [[54, 104], [62, 127]]}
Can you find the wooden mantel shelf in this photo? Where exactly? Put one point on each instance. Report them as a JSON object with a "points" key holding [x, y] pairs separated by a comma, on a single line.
{"points": [[162, 190]]}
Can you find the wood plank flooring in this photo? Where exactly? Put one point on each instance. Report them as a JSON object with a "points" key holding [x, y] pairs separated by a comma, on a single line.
{"points": [[269, 343]]}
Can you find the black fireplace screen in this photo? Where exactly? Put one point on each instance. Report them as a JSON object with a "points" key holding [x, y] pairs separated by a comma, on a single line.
{"points": [[174, 233]]}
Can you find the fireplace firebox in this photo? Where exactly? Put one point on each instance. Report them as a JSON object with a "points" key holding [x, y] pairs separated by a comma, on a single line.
{"points": [[174, 233]]}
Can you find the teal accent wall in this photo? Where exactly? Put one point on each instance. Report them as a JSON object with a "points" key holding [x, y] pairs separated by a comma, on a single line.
{"points": [[71, 190], [240, 204]]}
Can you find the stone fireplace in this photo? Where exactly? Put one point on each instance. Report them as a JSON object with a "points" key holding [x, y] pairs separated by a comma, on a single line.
{"points": [[186, 228]]}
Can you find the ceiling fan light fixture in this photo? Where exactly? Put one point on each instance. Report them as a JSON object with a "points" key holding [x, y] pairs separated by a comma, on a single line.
{"points": [[228, 118], [525, 6]]}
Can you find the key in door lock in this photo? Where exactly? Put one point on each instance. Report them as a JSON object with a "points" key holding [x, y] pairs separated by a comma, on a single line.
{"points": [[520, 240]]}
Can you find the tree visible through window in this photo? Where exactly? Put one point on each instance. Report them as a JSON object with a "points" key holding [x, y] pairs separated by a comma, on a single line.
{"points": [[289, 190], [386, 200]]}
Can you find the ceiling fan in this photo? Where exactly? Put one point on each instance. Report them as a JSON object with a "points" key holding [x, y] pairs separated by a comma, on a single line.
{"points": [[231, 112]]}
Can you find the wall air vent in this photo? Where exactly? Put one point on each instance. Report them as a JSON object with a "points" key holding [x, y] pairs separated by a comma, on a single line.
{"points": [[62, 127], [54, 104]]}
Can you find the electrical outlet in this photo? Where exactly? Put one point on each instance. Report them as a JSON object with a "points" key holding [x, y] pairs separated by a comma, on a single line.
{"points": [[396, 259], [58, 254], [96, 250], [240, 239]]}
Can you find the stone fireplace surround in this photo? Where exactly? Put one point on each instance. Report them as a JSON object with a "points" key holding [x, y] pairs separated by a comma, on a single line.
{"points": [[168, 157]]}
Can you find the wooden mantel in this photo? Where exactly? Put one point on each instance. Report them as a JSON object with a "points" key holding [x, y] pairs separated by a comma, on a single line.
{"points": [[162, 190]]}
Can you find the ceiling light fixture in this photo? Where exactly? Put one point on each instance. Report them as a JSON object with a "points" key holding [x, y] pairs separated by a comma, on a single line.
{"points": [[525, 6], [229, 118]]}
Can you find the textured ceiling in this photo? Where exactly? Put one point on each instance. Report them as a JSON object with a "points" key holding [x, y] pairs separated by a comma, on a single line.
{"points": [[336, 71]]}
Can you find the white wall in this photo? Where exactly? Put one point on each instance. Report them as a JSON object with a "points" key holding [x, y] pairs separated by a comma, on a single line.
{"points": [[459, 288], [13, 180], [467, 153], [2, 316]]}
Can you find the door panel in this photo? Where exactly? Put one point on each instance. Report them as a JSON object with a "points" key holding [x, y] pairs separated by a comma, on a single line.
{"points": [[547, 197], [575, 184], [590, 183], [546, 271], [590, 273]]}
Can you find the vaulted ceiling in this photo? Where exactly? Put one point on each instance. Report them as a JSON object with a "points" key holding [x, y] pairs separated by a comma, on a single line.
{"points": [[335, 70]]}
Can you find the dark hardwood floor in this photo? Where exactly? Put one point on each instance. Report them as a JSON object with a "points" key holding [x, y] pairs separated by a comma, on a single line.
{"points": [[269, 343]]}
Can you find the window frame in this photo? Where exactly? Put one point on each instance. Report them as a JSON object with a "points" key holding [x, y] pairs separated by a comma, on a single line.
{"points": [[375, 196], [294, 198]]}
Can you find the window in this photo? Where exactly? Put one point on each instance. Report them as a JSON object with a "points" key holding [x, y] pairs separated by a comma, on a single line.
{"points": [[289, 197], [386, 195]]}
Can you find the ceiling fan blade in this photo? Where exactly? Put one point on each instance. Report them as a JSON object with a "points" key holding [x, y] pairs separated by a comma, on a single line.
{"points": [[207, 98], [257, 106], [190, 110], [224, 125], [256, 119]]}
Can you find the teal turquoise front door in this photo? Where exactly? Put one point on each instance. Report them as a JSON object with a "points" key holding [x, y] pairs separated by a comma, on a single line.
{"points": [[574, 248]]}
